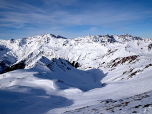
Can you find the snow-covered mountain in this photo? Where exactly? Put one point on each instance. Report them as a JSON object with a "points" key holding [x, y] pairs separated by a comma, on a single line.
{"points": [[52, 74]]}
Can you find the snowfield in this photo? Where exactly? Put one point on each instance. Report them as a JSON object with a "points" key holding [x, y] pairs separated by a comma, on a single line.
{"points": [[49, 74]]}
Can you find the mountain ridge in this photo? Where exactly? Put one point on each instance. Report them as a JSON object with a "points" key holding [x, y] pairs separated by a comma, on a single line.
{"points": [[80, 71], [42, 41]]}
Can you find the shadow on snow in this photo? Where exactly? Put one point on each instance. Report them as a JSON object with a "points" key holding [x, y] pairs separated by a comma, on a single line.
{"points": [[65, 76], [35, 101]]}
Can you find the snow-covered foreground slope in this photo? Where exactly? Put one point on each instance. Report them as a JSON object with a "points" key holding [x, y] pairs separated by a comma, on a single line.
{"points": [[135, 104], [93, 74]]}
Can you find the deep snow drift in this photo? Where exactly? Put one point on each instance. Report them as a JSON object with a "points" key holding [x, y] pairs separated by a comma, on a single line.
{"points": [[93, 74]]}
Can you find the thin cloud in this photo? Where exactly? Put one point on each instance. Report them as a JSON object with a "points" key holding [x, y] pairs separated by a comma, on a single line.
{"points": [[147, 23], [34, 15], [60, 14], [63, 2], [93, 28]]}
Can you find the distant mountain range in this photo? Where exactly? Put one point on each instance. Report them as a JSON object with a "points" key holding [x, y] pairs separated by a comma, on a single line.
{"points": [[52, 74]]}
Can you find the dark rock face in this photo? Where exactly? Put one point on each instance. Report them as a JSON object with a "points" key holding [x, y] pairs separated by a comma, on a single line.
{"points": [[149, 47], [3, 66], [64, 64], [12, 40], [23, 42], [148, 65], [57, 36], [1, 49], [75, 64], [111, 40], [61, 63], [20, 65], [123, 60]]}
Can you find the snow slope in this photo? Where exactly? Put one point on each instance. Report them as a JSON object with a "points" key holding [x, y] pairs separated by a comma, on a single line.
{"points": [[51, 74]]}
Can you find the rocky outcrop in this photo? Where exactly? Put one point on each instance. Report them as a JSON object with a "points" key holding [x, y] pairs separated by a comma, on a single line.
{"points": [[121, 61], [20, 65], [149, 47]]}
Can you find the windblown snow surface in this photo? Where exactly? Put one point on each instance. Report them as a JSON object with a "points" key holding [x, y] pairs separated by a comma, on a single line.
{"points": [[50, 74]]}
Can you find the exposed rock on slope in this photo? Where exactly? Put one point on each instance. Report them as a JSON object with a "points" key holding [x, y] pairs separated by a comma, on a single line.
{"points": [[134, 104], [149, 47], [58, 74]]}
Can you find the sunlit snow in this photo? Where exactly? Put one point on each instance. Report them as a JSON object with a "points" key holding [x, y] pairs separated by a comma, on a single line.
{"points": [[50, 74]]}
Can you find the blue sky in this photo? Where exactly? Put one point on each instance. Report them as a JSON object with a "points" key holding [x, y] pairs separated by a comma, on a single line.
{"points": [[75, 18]]}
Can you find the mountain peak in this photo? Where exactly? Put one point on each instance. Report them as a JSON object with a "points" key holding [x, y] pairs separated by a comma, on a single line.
{"points": [[51, 73], [52, 35], [127, 35]]}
